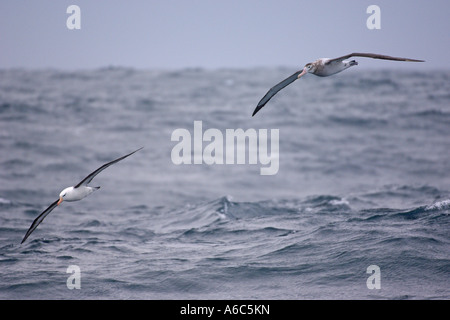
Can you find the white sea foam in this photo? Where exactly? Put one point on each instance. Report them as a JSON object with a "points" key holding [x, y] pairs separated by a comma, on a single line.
{"points": [[439, 205], [4, 201], [339, 202]]}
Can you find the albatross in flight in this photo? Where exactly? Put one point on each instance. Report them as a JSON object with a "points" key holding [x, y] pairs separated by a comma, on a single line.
{"points": [[323, 68], [78, 192]]}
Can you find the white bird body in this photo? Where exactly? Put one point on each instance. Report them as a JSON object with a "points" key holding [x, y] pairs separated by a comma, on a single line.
{"points": [[324, 67], [74, 193]]}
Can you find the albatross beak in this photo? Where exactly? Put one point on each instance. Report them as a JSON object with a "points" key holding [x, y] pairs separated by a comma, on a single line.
{"points": [[60, 200], [305, 71]]}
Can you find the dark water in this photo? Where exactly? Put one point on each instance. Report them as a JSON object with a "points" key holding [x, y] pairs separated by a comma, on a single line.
{"points": [[363, 180]]}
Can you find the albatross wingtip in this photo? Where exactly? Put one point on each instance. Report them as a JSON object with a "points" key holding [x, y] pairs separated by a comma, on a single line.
{"points": [[256, 110], [25, 238]]}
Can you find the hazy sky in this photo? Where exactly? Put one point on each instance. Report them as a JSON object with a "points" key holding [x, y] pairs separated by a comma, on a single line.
{"points": [[215, 34]]}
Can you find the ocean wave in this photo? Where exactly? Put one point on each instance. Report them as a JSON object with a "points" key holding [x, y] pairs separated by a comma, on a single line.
{"points": [[208, 213], [5, 202], [362, 181], [440, 205]]}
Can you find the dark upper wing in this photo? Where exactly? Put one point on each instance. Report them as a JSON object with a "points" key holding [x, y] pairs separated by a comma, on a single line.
{"points": [[373, 56], [91, 176], [39, 219], [273, 91]]}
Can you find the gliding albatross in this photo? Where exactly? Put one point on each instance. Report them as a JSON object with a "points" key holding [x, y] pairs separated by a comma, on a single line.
{"points": [[75, 193], [323, 68]]}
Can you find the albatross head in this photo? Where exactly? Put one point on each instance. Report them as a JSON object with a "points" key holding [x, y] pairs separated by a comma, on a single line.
{"points": [[309, 67], [63, 194]]}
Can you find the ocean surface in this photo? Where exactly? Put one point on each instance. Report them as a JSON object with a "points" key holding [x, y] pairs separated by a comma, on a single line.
{"points": [[363, 180]]}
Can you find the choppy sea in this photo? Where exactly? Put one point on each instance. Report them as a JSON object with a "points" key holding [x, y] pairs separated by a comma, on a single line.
{"points": [[363, 181]]}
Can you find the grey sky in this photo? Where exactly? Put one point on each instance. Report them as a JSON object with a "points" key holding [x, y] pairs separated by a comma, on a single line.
{"points": [[215, 34]]}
